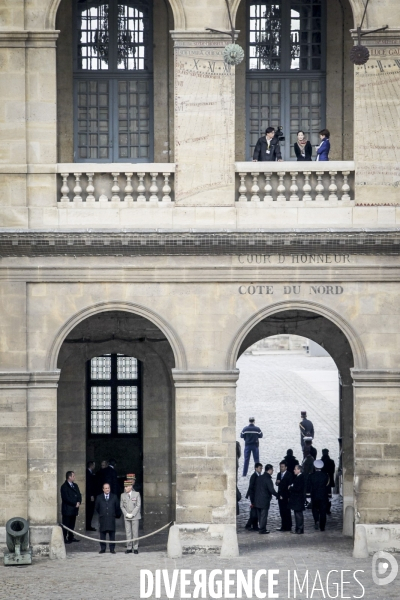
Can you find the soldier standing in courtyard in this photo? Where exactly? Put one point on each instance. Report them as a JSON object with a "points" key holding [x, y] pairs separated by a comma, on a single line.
{"points": [[251, 435], [130, 507], [306, 428]]}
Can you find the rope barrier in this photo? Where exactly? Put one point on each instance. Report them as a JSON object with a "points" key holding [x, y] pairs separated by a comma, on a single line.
{"points": [[116, 541]]}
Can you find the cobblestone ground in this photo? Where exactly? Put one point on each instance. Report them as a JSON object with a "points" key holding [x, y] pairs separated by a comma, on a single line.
{"points": [[273, 388]]}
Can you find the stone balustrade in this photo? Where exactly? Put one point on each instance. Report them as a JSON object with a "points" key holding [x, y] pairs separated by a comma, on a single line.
{"points": [[95, 184], [297, 183]]}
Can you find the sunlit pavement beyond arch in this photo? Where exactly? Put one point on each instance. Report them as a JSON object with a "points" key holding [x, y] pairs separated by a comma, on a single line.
{"points": [[274, 388]]}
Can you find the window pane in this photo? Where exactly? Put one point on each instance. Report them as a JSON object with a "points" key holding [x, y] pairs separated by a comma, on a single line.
{"points": [[265, 30], [93, 37], [132, 33], [127, 367], [101, 397], [127, 397], [127, 421], [133, 117], [306, 35], [100, 367], [100, 421], [93, 109]]}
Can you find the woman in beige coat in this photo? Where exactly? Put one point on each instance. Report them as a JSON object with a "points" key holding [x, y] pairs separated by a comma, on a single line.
{"points": [[130, 506]]}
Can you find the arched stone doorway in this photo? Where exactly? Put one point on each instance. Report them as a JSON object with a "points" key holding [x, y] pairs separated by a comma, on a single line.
{"points": [[150, 451], [341, 343]]}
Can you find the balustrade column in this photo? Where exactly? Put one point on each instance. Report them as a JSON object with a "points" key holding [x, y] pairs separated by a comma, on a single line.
{"points": [[333, 186], [345, 186], [77, 188], [255, 188], [307, 186], [166, 188], [294, 187], [128, 188], [268, 188], [115, 189], [90, 189], [153, 189], [242, 187], [281, 187], [141, 188], [65, 187], [319, 188]]}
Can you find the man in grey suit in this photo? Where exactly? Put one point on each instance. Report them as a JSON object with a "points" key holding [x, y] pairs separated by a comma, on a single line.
{"points": [[130, 507], [107, 507]]}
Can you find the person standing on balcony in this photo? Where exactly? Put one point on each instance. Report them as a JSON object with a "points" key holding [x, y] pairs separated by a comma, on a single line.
{"points": [[267, 147], [324, 147], [302, 148]]}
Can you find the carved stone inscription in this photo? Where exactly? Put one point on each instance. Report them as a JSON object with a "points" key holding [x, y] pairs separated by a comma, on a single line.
{"points": [[317, 289], [204, 126], [294, 259], [377, 125]]}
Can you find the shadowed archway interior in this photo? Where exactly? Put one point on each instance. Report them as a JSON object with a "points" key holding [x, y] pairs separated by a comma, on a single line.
{"points": [[150, 452]]}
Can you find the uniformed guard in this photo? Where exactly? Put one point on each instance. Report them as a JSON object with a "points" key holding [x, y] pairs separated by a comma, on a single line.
{"points": [[251, 435], [130, 507], [306, 428], [318, 483]]}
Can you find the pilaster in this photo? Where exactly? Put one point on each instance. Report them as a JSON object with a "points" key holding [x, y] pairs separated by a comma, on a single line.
{"points": [[377, 446], [205, 455], [204, 120]]}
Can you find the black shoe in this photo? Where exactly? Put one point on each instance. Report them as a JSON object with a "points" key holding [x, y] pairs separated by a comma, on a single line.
{"points": [[322, 529], [136, 552], [102, 552], [112, 552], [91, 529], [128, 551], [299, 532], [74, 540], [262, 532], [67, 542]]}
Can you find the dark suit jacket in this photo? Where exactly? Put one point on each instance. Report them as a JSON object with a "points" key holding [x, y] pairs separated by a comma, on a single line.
{"points": [[318, 484], [283, 487], [107, 511], [260, 151], [251, 492], [90, 485], [296, 493], [264, 491], [69, 497], [329, 467]]}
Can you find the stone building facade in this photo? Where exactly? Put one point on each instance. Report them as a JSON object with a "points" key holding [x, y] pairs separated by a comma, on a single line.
{"points": [[182, 258]]}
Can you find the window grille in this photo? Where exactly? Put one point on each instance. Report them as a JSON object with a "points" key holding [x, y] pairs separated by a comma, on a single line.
{"points": [[113, 81], [114, 395]]}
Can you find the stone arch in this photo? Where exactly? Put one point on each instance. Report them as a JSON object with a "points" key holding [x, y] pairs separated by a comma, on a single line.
{"points": [[176, 6], [170, 334], [357, 8], [359, 354]]}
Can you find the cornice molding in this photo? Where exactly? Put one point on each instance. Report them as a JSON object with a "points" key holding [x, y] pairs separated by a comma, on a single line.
{"points": [[20, 38], [205, 378], [376, 378], [29, 379]]}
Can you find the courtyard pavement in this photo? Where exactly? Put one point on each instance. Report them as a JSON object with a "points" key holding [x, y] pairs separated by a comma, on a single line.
{"points": [[273, 388]]}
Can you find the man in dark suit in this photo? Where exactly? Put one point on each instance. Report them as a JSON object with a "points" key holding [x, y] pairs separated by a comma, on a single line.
{"points": [[319, 490], [296, 498], [329, 468], [90, 494], [267, 147], [108, 508], [252, 523], [264, 492], [283, 481], [70, 502]]}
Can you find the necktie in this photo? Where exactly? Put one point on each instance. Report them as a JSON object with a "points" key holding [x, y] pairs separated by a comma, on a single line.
{"points": [[106, 498]]}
